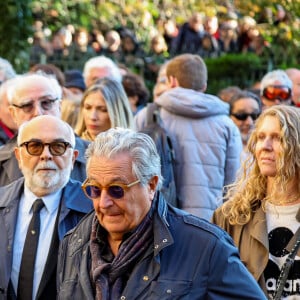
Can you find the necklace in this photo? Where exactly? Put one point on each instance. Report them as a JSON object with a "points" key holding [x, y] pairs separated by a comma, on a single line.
{"points": [[287, 201]]}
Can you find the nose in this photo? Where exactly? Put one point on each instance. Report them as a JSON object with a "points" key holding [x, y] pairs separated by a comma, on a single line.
{"points": [[46, 154], [267, 144], [37, 110], [93, 114], [105, 200], [249, 120]]}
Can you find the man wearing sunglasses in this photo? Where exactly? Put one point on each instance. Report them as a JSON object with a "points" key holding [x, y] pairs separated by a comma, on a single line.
{"points": [[276, 88], [46, 154], [134, 245], [29, 96]]}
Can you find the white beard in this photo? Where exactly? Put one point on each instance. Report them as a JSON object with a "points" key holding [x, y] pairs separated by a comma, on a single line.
{"points": [[46, 182]]}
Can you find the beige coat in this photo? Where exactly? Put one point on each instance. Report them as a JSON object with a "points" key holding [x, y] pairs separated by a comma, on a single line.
{"points": [[251, 240]]}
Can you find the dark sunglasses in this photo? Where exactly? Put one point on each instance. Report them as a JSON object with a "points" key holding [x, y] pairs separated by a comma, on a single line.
{"points": [[115, 190], [281, 92], [36, 148], [244, 116], [45, 104]]}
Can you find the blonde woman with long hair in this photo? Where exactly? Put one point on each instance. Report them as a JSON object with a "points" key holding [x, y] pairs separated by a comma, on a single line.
{"points": [[104, 105], [261, 209]]}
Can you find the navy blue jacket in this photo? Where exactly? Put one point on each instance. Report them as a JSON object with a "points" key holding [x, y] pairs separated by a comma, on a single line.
{"points": [[74, 206], [190, 259]]}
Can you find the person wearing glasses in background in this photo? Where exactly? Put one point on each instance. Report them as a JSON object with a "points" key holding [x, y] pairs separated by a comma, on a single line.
{"points": [[46, 153], [136, 246], [245, 107], [29, 96], [276, 88]]}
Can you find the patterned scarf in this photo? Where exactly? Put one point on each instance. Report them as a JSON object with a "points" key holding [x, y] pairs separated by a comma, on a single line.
{"points": [[109, 277]]}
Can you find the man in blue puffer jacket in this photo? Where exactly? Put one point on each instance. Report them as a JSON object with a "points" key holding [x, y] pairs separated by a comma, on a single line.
{"points": [[206, 142]]}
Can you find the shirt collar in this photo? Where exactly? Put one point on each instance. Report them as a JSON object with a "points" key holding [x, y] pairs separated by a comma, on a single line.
{"points": [[51, 201]]}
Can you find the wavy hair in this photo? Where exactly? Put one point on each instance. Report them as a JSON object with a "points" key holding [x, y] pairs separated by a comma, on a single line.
{"points": [[249, 191], [140, 146]]}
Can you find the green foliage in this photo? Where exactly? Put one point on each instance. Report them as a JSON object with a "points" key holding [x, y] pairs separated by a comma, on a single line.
{"points": [[15, 28], [233, 69]]}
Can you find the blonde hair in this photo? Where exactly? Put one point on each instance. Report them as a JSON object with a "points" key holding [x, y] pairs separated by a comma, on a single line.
{"points": [[247, 193], [116, 101]]}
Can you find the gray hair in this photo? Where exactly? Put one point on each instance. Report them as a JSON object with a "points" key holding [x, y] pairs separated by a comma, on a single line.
{"points": [[105, 63], [140, 146], [7, 69], [47, 117], [11, 91]]}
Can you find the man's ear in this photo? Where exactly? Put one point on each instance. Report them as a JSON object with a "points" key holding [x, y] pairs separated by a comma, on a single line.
{"points": [[75, 155], [204, 88], [152, 184], [11, 110], [172, 82], [17, 155]]}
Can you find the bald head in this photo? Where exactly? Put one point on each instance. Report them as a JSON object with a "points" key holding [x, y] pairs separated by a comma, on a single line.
{"points": [[46, 154]]}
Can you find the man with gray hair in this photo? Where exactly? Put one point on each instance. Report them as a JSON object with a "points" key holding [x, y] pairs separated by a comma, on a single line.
{"points": [[45, 152], [7, 125], [32, 95], [98, 67], [136, 246]]}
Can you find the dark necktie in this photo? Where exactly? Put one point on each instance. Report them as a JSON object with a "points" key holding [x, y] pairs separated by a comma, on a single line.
{"points": [[26, 274]]}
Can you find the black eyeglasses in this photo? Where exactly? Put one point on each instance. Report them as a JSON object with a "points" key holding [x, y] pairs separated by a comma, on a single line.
{"points": [[36, 148], [244, 116], [115, 190], [45, 103]]}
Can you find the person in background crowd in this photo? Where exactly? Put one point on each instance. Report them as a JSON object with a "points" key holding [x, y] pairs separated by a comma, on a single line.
{"points": [[190, 35], [46, 153], [276, 88], [7, 125], [6, 70], [161, 81], [73, 90], [227, 93], [74, 85], [245, 108], [113, 45], [99, 67], [207, 144], [136, 246], [294, 75], [104, 105], [49, 69], [261, 206], [32, 95], [136, 91]]}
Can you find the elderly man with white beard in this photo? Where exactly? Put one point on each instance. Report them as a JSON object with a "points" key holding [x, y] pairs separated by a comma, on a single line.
{"points": [[38, 209]]}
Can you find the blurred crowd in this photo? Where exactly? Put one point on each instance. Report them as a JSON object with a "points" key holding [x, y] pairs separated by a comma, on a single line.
{"points": [[206, 35]]}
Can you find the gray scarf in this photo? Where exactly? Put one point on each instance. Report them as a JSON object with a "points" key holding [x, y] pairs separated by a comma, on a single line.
{"points": [[110, 277]]}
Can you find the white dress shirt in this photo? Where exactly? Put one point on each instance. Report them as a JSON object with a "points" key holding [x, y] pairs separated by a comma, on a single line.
{"points": [[48, 217]]}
